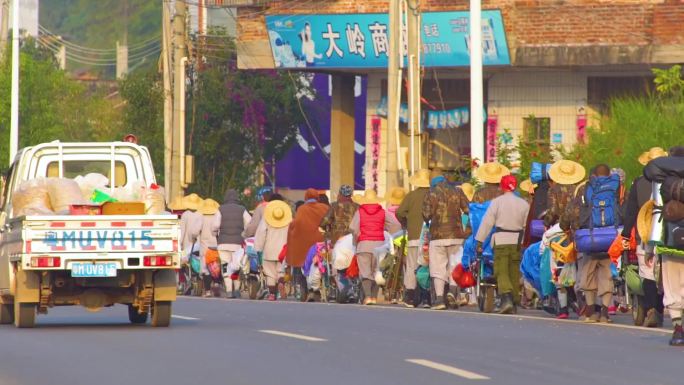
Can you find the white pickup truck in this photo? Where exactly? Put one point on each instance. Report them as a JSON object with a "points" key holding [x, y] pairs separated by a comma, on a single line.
{"points": [[88, 260]]}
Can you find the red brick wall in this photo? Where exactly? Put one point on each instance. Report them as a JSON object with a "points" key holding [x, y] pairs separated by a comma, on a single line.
{"points": [[527, 22]]}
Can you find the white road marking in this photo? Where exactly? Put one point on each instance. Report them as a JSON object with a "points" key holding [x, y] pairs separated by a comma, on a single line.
{"points": [[448, 369], [184, 317], [292, 335]]}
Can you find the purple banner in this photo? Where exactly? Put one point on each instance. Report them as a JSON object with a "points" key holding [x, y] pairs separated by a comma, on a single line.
{"points": [[307, 164]]}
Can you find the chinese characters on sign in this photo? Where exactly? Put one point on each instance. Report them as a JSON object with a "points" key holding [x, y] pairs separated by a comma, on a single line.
{"points": [[362, 40], [492, 125], [375, 150]]}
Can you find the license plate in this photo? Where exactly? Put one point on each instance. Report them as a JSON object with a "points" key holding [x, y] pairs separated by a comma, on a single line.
{"points": [[86, 269]]}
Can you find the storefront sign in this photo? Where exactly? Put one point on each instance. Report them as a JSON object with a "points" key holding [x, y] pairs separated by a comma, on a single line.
{"points": [[375, 150], [362, 40]]}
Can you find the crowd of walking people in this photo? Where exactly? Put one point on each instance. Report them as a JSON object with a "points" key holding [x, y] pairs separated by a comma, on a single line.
{"points": [[560, 240]]}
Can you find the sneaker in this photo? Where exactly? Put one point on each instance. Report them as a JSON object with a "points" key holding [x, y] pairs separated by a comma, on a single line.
{"points": [[409, 305], [677, 337], [563, 313], [651, 320], [591, 316], [604, 318], [208, 294], [452, 302], [439, 304], [271, 297], [368, 301], [373, 301], [612, 310]]}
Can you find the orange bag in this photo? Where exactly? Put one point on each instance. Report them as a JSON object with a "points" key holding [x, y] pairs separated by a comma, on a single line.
{"points": [[615, 250], [353, 269], [457, 273], [211, 256]]}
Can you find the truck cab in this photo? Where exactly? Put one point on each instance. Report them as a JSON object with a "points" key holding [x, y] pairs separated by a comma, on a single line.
{"points": [[93, 261]]}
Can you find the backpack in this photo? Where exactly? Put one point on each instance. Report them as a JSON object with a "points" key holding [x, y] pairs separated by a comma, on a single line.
{"points": [[600, 203]]}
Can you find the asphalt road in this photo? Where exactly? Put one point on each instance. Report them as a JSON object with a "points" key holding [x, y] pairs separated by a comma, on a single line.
{"points": [[216, 341]]}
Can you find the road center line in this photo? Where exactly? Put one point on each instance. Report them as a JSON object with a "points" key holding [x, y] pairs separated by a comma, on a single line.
{"points": [[292, 335], [184, 317], [447, 369]]}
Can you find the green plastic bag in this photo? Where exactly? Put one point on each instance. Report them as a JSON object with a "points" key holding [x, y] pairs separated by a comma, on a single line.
{"points": [[101, 197], [423, 277]]}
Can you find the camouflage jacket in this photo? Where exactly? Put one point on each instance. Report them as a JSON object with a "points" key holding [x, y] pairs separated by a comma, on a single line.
{"points": [[443, 206], [570, 217], [559, 197], [338, 218], [486, 193]]}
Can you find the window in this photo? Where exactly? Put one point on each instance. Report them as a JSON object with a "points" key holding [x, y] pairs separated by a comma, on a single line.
{"points": [[537, 130], [74, 168]]}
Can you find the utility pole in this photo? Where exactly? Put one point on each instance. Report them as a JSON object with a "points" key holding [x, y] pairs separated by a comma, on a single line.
{"points": [[61, 56], [121, 60], [413, 25], [178, 136], [168, 98], [4, 26], [14, 127], [476, 93], [395, 61]]}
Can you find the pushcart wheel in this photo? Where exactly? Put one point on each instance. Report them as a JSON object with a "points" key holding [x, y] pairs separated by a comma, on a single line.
{"points": [[638, 311], [486, 299]]}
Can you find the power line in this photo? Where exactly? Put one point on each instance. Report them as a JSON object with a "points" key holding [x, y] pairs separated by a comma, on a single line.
{"points": [[99, 51]]}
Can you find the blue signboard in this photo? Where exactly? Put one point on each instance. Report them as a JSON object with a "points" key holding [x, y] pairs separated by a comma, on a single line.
{"points": [[362, 40]]}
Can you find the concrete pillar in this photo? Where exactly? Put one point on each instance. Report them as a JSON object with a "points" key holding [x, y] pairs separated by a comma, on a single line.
{"points": [[342, 133]]}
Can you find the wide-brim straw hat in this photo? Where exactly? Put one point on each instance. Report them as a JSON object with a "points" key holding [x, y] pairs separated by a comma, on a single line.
{"points": [[527, 186], [567, 172], [368, 197], [277, 214], [491, 172], [468, 189], [645, 221], [421, 178], [395, 196], [653, 153], [177, 204], [208, 207], [192, 202]]}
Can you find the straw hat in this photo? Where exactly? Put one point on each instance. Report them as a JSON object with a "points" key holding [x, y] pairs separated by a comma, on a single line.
{"points": [[645, 221], [368, 197], [277, 214], [192, 202], [177, 204], [654, 152], [208, 207], [491, 172], [395, 196], [421, 178], [567, 172], [469, 190], [527, 186]]}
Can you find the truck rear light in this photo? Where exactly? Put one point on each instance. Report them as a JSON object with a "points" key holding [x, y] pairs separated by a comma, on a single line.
{"points": [[45, 261], [175, 245], [28, 247], [163, 260]]}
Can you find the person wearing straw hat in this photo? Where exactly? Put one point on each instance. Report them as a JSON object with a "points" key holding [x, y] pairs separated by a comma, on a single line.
{"points": [[270, 239], [410, 215], [507, 216], [393, 198], [368, 226], [336, 221], [231, 219], [490, 174], [638, 197], [565, 176], [443, 208], [207, 238], [190, 221], [468, 189]]}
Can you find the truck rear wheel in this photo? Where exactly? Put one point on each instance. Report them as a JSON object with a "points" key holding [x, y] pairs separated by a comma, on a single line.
{"points": [[161, 313], [6, 313], [24, 314], [134, 315]]}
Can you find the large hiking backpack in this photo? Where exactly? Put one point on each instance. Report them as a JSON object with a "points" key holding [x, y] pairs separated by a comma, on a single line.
{"points": [[600, 215]]}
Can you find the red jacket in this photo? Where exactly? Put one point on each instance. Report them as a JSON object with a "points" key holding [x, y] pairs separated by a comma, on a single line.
{"points": [[371, 223]]}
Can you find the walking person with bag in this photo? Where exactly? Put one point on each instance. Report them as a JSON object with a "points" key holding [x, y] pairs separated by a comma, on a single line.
{"points": [[594, 216], [208, 244], [443, 209], [507, 215], [410, 215], [368, 226], [490, 174], [231, 219], [336, 221], [669, 172], [270, 239], [639, 194]]}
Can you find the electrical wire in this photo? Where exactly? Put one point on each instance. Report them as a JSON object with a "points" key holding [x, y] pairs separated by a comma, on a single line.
{"points": [[98, 51], [88, 61]]}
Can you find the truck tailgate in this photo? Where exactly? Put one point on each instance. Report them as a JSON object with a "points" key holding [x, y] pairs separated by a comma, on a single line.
{"points": [[102, 237]]}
